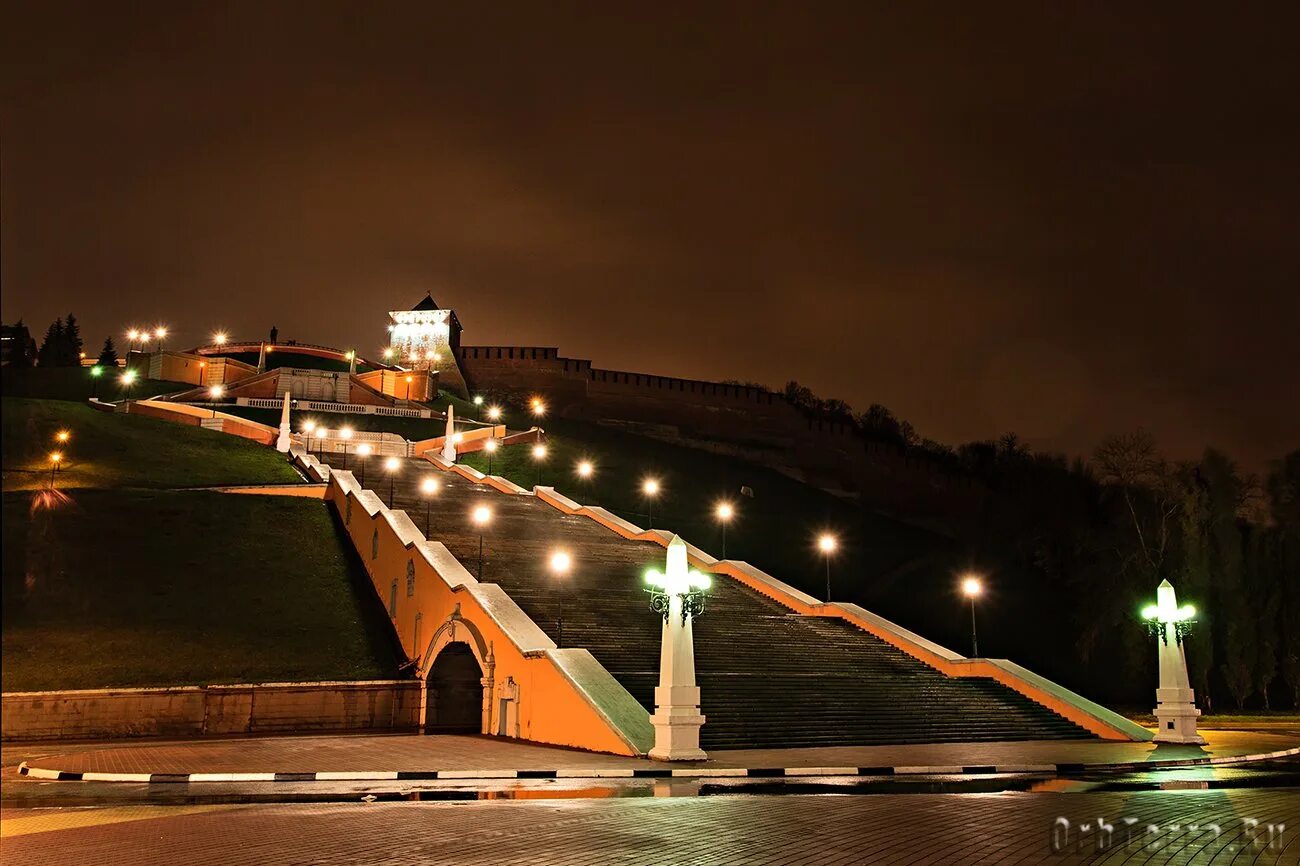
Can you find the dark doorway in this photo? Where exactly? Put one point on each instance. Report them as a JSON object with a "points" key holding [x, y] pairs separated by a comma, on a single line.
{"points": [[455, 700]]}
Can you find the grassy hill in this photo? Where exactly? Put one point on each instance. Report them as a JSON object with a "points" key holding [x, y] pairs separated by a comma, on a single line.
{"points": [[151, 588], [76, 383], [122, 450], [118, 578]]}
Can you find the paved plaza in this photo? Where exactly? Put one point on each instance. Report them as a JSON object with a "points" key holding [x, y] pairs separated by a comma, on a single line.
{"points": [[425, 753], [1202, 827]]}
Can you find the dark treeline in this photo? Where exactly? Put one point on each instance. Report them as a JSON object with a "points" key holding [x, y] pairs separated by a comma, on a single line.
{"points": [[1088, 542], [61, 347], [1077, 547]]}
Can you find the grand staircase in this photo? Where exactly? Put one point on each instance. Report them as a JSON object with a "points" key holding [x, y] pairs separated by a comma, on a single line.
{"points": [[768, 677]]}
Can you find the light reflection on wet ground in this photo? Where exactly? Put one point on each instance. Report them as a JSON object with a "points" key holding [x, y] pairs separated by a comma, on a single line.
{"points": [[1276, 774]]}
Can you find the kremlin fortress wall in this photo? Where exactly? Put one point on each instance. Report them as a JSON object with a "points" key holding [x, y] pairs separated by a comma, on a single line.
{"points": [[739, 420]]}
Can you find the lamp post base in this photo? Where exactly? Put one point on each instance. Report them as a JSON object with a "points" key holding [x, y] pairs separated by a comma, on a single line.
{"points": [[677, 722], [1176, 716]]}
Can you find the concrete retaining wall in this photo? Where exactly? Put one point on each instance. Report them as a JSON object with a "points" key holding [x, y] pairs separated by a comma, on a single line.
{"points": [[386, 705]]}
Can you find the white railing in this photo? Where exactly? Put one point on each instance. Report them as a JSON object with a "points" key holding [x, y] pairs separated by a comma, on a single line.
{"points": [[344, 408]]}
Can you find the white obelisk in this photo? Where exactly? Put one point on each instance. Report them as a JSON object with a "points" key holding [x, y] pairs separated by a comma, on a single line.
{"points": [[1175, 711], [449, 439], [677, 718], [284, 441]]}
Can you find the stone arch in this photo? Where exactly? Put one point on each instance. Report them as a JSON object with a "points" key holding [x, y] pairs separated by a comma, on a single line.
{"points": [[454, 692], [456, 630]]}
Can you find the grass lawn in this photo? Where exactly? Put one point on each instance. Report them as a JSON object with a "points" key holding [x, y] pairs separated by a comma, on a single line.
{"points": [[151, 588], [76, 383], [122, 450]]}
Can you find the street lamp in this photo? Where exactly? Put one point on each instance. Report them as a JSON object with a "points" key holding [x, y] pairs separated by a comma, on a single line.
{"points": [[160, 332], [388, 354], [585, 470], [308, 427], [538, 407], [219, 338], [391, 466], [481, 516], [408, 388], [826, 543], [724, 512], [128, 379], [95, 372], [650, 489], [971, 588], [215, 393], [561, 562], [494, 413], [322, 433], [132, 336], [144, 340], [345, 433], [62, 437], [429, 487], [56, 457], [490, 446], [539, 455], [363, 452]]}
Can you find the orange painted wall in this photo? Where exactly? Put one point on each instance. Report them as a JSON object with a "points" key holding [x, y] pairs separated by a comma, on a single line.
{"points": [[551, 709]]}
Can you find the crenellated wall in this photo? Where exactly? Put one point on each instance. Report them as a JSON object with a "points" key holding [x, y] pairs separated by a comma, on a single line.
{"points": [[743, 421]]}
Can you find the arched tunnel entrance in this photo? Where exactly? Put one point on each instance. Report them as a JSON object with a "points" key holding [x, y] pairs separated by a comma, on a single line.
{"points": [[454, 704]]}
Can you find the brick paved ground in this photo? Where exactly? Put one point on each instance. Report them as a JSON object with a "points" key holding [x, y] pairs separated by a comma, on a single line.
{"points": [[417, 753], [1189, 827]]}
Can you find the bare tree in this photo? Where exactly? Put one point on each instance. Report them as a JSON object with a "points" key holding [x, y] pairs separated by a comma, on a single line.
{"points": [[1130, 463]]}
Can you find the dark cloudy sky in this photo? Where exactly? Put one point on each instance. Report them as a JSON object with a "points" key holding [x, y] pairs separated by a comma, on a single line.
{"points": [[1058, 219]]}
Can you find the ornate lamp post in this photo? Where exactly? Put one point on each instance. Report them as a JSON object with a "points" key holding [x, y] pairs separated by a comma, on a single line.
{"points": [[971, 588], [392, 466], [1175, 711], [677, 594], [429, 487], [826, 543], [560, 563], [482, 516]]}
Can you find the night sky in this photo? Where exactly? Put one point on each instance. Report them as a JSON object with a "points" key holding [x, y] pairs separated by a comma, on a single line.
{"points": [[1047, 218]]}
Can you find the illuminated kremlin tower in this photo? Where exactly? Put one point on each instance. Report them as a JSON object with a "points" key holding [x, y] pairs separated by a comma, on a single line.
{"points": [[426, 337]]}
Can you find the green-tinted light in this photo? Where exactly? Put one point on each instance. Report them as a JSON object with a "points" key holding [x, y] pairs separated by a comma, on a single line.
{"points": [[96, 371], [1150, 612]]}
